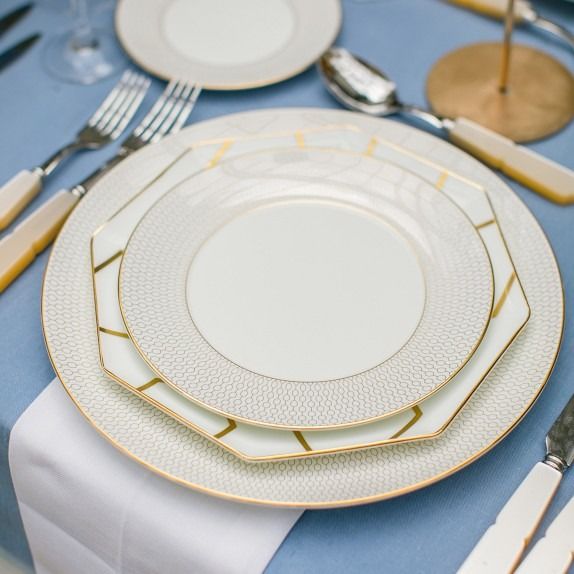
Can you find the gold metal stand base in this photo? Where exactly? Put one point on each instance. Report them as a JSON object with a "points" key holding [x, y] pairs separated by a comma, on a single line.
{"points": [[539, 100]]}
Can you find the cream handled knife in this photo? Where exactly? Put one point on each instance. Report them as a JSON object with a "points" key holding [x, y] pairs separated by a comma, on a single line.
{"points": [[523, 13], [554, 553], [501, 547]]}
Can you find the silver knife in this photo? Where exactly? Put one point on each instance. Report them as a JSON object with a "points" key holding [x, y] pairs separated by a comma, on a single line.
{"points": [[501, 547], [13, 53], [6, 22]]}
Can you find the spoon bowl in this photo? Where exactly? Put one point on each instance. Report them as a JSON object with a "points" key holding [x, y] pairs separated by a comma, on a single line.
{"points": [[357, 84], [362, 87]]}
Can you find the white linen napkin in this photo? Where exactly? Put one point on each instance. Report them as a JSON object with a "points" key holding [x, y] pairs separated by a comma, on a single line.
{"points": [[87, 508]]}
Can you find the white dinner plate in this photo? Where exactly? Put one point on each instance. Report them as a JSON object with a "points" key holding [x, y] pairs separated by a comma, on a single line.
{"points": [[121, 361], [176, 452], [227, 44], [305, 288]]}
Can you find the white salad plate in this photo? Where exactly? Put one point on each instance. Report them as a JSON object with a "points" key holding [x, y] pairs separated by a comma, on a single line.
{"points": [[173, 450], [226, 44], [427, 419], [305, 288]]}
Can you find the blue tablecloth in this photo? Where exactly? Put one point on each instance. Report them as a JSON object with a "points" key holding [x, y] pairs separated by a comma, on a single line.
{"points": [[428, 531]]}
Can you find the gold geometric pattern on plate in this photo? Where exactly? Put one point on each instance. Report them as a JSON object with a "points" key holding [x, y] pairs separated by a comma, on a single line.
{"points": [[464, 195]]}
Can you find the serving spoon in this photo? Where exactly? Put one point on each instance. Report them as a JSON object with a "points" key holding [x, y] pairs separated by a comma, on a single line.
{"points": [[360, 86]]}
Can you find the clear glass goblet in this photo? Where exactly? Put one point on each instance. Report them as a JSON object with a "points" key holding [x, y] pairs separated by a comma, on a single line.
{"points": [[84, 54]]}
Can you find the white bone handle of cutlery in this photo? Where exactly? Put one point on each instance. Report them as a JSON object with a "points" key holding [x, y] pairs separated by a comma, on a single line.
{"points": [[33, 235], [554, 553], [542, 175], [17, 193], [495, 8], [502, 545]]}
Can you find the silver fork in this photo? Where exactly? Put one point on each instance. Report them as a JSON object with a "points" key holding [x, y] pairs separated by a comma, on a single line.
{"points": [[167, 116], [106, 125], [34, 234]]}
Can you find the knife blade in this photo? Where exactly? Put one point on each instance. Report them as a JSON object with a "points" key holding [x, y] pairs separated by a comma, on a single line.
{"points": [[13, 17], [502, 545], [14, 52]]}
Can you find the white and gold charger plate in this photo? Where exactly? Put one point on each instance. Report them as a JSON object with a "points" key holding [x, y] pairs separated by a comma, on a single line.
{"points": [[426, 419], [176, 452], [306, 288], [226, 44]]}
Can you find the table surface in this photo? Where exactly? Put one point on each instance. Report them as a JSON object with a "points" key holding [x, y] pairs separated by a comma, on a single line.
{"points": [[431, 530]]}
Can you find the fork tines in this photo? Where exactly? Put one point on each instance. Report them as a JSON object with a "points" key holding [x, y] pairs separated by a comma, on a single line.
{"points": [[120, 105], [169, 113]]}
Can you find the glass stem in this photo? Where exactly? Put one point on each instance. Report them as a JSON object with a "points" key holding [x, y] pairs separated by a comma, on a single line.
{"points": [[506, 48], [84, 36]]}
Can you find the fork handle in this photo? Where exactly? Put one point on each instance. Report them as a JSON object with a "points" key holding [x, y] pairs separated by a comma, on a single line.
{"points": [[33, 235], [544, 176], [502, 545], [17, 193], [495, 8]]}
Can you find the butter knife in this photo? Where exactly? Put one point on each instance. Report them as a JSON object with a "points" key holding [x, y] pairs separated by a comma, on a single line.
{"points": [[13, 53], [6, 22], [501, 547]]}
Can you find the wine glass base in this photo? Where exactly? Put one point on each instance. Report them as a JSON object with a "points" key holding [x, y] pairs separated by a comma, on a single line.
{"points": [[538, 102], [82, 62]]}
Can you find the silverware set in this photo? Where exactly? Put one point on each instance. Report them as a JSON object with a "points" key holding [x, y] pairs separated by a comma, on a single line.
{"points": [[105, 126], [167, 116]]}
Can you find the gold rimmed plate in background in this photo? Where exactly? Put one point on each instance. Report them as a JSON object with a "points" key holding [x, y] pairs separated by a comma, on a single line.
{"points": [[224, 44]]}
